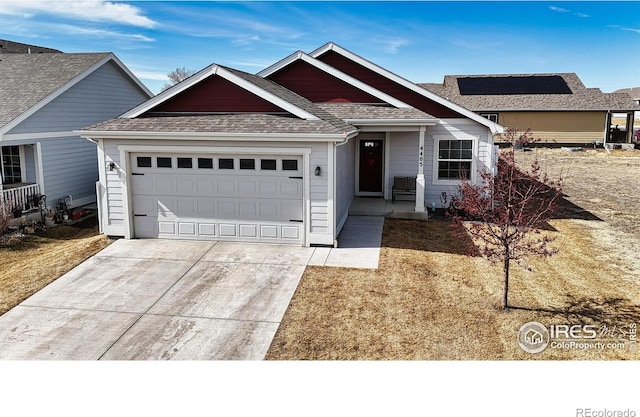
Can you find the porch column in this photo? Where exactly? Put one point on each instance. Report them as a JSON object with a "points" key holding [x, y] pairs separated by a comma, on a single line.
{"points": [[420, 177]]}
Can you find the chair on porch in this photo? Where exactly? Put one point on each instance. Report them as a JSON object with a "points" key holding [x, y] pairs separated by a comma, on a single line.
{"points": [[403, 186]]}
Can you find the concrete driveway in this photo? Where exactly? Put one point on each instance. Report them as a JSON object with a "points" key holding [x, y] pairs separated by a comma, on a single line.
{"points": [[160, 299]]}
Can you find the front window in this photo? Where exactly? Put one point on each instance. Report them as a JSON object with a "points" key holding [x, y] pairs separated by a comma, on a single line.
{"points": [[11, 170], [455, 157]]}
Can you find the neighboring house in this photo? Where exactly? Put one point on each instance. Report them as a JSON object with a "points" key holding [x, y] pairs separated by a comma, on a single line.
{"points": [[44, 97], [10, 47], [633, 92], [558, 108], [279, 156]]}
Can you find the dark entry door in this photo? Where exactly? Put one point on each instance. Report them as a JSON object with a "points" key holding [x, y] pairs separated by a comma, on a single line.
{"points": [[371, 172]]}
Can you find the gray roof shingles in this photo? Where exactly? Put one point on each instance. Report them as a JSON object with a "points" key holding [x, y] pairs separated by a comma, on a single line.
{"points": [[222, 123], [330, 117], [27, 79], [581, 99], [11, 47]]}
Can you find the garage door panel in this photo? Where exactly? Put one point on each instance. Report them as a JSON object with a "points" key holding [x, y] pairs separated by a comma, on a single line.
{"points": [[226, 204], [247, 186], [291, 189]]}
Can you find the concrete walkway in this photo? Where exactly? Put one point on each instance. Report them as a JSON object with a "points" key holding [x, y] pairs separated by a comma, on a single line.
{"points": [[358, 245], [174, 299]]}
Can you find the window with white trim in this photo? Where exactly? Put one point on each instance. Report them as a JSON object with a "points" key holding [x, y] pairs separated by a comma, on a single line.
{"points": [[11, 165], [491, 116], [454, 159]]}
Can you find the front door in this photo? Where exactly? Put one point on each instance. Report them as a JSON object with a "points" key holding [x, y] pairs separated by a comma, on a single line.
{"points": [[371, 167]]}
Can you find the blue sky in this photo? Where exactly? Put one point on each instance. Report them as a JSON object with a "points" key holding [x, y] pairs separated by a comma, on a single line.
{"points": [[421, 41]]}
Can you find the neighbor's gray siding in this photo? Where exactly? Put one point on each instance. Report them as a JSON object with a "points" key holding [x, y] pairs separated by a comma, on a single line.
{"points": [[70, 163], [102, 95], [70, 168], [345, 180], [30, 164]]}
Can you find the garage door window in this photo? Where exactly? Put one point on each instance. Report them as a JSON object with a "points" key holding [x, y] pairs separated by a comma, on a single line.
{"points": [[144, 161], [225, 163], [289, 164], [163, 162], [268, 164], [247, 164], [185, 163], [205, 163]]}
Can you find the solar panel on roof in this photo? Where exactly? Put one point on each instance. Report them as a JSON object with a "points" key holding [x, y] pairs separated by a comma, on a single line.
{"points": [[544, 84]]}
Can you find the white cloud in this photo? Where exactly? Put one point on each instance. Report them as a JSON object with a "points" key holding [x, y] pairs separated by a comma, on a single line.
{"points": [[392, 46], [631, 29], [101, 33], [88, 10], [559, 9]]}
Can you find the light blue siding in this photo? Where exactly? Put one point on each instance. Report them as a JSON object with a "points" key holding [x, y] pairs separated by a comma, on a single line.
{"points": [[104, 94], [75, 176], [70, 163], [30, 165]]}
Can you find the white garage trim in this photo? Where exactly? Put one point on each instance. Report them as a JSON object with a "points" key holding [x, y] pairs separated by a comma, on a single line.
{"points": [[127, 192]]}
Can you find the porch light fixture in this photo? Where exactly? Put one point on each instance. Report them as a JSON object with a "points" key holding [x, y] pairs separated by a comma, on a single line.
{"points": [[112, 166], [318, 171]]}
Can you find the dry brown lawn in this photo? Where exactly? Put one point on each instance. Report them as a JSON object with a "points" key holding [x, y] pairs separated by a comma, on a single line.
{"points": [[37, 260], [431, 300]]}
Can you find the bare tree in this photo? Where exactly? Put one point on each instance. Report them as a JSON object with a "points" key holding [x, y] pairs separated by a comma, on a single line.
{"points": [[176, 76], [506, 211]]}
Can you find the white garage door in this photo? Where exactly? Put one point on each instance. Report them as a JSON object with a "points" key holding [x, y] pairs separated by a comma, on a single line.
{"points": [[220, 197]]}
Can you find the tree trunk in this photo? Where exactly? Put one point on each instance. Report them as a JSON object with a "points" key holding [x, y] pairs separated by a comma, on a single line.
{"points": [[505, 294]]}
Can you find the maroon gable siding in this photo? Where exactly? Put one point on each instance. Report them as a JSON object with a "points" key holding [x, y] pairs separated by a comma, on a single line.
{"points": [[215, 94], [318, 86], [386, 85]]}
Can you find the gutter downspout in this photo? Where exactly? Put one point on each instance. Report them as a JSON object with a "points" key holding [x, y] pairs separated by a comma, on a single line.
{"points": [[348, 136]]}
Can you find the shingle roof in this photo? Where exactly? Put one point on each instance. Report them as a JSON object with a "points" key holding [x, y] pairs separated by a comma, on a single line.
{"points": [[27, 79], [350, 111], [581, 98], [633, 92], [223, 123], [330, 116], [11, 47]]}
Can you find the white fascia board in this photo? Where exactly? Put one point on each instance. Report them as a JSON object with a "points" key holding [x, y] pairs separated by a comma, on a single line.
{"points": [[170, 92], [207, 72], [272, 98], [494, 127], [131, 75], [216, 136], [280, 64], [32, 110], [299, 55]]}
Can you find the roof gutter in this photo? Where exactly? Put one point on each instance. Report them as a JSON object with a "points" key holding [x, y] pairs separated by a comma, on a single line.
{"points": [[243, 137], [393, 122]]}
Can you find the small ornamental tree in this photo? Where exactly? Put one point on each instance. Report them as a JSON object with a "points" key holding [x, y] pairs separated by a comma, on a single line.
{"points": [[505, 212]]}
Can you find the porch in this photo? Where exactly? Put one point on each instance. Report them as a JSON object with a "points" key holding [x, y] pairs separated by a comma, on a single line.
{"points": [[378, 206], [21, 196]]}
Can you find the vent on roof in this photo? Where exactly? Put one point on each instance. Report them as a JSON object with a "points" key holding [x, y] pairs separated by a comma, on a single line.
{"points": [[544, 84]]}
